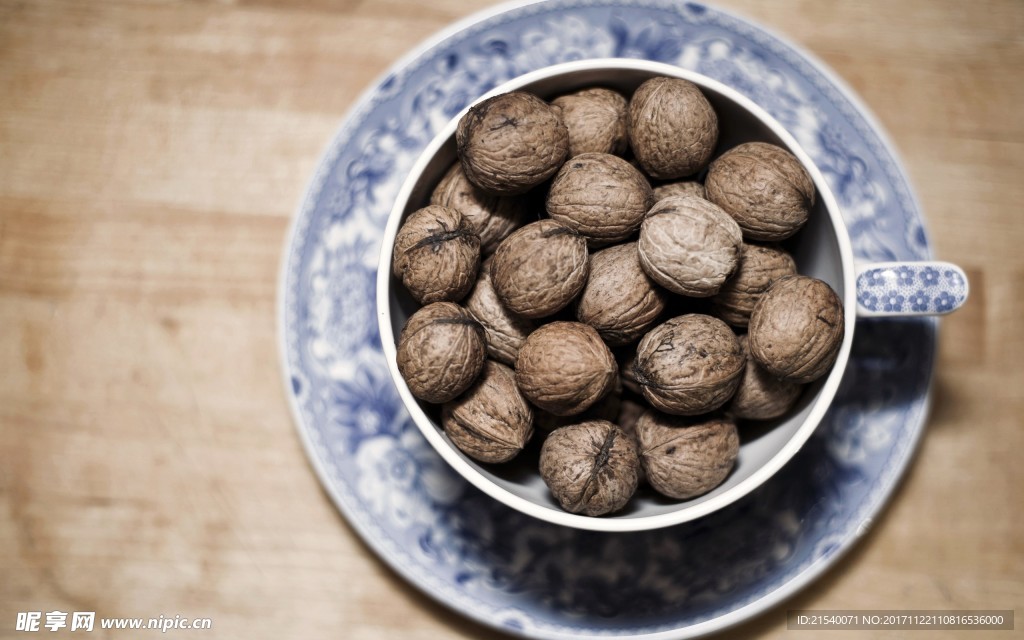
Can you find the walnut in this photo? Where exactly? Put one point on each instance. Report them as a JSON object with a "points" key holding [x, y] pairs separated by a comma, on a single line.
{"points": [[689, 246], [797, 328], [492, 421], [440, 351], [759, 267], [761, 396], [539, 269], [564, 368], [764, 187], [510, 143], [595, 119], [685, 458], [590, 467], [505, 331], [672, 128], [436, 255], [681, 188], [599, 196], [619, 299], [688, 365], [493, 218]]}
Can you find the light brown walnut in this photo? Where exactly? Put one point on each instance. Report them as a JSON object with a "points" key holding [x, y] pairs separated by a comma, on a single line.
{"points": [[796, 329], [689, 246], [685, 457], [764, 188], [600, 196], [590, 467], [511, 142], [540, 269], [491, 421], [565, 368], [440, 352], [673, 129], [689, 365], [436, 255], [595, 119], [619, 300]]}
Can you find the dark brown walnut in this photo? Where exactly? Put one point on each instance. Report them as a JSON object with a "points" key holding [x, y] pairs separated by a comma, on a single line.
{"points": [[672, 128], [599, 196], [564, 368], [689, 246], [493, 218], [436, 255], [492, 421], [619, 300], [797, 328], [759, 267], [764, 187], [685, 458], [590, 467], [595, 119], [760, 395], [681, 188], [504, 331], [510, 143], [540, 269], [607, 408], [440, 352], [689, 365]]}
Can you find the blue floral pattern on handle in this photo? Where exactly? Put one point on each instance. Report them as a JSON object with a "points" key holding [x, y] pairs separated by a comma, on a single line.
{"points": [[923, 288]]}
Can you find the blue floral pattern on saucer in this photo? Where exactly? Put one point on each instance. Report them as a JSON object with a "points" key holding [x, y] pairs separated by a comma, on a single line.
{"points": [[930, 287], [497, 565]]}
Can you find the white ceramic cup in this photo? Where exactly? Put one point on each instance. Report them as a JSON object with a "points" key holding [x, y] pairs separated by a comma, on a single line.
{"points": [[822, 250]]}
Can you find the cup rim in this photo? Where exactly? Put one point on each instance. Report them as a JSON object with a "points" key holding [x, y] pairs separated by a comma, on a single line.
{"points": [[821, 404]]}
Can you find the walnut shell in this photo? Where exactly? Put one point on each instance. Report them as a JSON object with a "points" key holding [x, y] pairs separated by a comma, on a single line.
{"points": [[493, 218], [681, 188], [685, 458], [504, 331], [672, 128], [797, 328], [760, 395], [539, 269], [689, 246], [436, 255], [595, 119], [599, 196], [759, 267], [564, 368], [590, 467], [689, 365], [492, 421], [440, 351], [764, 187], [619, 299], [511, 143]]}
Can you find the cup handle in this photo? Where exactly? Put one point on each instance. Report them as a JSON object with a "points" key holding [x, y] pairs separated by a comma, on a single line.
{"points": [[909, 288]]}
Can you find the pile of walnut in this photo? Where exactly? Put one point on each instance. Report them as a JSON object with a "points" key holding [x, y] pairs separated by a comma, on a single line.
{"points": [[522, 310]]}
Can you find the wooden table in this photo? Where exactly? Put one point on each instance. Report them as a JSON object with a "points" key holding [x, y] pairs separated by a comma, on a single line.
{"points": [[151, 154]]}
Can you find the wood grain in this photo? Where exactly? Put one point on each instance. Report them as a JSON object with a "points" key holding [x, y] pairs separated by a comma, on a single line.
{"points": [[151, 154]]}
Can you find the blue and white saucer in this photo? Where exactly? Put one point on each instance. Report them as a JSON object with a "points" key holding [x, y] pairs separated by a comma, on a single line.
{"points": [[497, 565]]}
